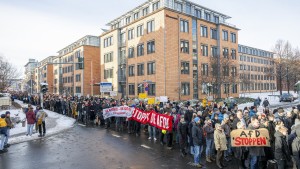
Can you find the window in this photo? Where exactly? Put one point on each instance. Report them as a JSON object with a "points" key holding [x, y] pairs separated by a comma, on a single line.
{"points": [[128, 20], [55, 81], [130, 34], [185, 88], [150, 26], [145, 11], [78, 89], [203, 31], [214, 51], [233, 71], [140, 50], [151, 91], [184, 46], [213, 33], [178, 6], [150, 47], [204, 50], [185, 68], [131, 52], [184, 26], [136, 16], [131, 89], [131, 70], [108, 73], [141, 89], [233, 37], [45, 75], [233, 54], [156, 5], [108, 57], [151, 68], [204, 69], [226, 88], [188, 8], [140, 69], [207, 16], [197, 13], [225, 35], [216, 19], [108, 41], [225, 70], [234, 88], [225, 52], [78, 77], [55, 71], [140, 31]]}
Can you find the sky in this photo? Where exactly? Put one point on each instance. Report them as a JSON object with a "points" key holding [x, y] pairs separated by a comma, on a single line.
{"points": [[39, 28]]}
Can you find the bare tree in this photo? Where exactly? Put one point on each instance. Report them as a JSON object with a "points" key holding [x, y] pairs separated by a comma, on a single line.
{"points": [[7, 73]]}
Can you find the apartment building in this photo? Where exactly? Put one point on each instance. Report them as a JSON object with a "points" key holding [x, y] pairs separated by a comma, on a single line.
{"points": [[77, 68], [257, 70], [177, 48], [44, 74], [29, 82]]}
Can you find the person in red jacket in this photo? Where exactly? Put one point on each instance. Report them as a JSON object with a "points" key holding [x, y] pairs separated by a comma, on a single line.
{"points": [[31, 119]]}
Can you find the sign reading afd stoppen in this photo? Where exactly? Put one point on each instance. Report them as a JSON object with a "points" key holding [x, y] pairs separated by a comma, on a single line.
{"points": [[105, 87]]}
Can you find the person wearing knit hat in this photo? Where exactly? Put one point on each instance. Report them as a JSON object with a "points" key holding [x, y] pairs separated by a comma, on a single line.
{"points": [[9, 126], [197, 134], [3, 133]]}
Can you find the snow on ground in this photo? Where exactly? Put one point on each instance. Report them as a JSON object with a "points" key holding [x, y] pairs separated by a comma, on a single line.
{"points": [[17, 114], [273, 98], [62, 123]]}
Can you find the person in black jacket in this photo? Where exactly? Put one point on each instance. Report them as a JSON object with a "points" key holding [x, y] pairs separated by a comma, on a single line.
{"points": [[282, 151], [197, 134], [182, 133]]}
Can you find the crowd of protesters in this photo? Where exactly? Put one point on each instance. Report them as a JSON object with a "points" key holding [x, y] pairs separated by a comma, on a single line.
{"points": [[197, 130]]}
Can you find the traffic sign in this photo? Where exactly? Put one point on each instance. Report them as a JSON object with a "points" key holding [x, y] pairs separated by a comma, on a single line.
{"points": [[105, 87]]}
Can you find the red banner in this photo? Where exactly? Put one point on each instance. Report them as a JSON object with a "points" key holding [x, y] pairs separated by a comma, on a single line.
{"points": [[161, 121]]}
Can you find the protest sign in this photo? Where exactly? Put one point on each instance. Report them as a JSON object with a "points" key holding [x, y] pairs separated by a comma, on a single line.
{"points": [[140, 116], [161, 121], [157, 100], [250, 138], [122, 111], [163, 99], [143, 95], [151, 101]]}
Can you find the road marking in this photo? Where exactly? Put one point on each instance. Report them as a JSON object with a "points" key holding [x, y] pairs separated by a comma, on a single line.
{"points": [[116, 135], [146, 146], [81, 125]]}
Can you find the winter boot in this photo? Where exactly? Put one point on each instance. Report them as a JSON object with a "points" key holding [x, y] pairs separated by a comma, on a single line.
{"points": [[208, 159]]}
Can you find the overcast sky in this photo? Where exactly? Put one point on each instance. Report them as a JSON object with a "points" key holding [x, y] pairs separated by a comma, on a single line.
{"points": [[39, 28]]}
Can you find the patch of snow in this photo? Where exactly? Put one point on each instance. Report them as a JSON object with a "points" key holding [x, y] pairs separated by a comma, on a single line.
{"points": [[63, 123]]}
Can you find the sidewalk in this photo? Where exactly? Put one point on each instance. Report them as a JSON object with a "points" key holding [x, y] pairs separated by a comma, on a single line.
{"points": [[55, 123]]}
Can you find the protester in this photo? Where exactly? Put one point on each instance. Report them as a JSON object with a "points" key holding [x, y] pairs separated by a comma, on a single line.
{"points": [[41, 116], [209, 130], [9, 126], [31, 119], [220, 144], [182, 133], [282, 153], [197, 134], [3, 133], [241, 153]]}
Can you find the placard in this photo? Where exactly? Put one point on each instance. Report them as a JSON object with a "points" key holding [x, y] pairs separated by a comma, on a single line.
{"points": [[143, 95], [163, 99], [151, 101], [250, 138], [105, 87], [113, 93]]}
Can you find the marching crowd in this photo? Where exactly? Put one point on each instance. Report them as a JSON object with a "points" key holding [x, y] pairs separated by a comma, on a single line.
{"points": [[197, 129]]}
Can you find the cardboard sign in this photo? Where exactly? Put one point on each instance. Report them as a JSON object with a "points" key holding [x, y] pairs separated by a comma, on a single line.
{"points": [[143, 95], [163, 99], [250, 138], [151, 101], [157, 100], [113, 93]]}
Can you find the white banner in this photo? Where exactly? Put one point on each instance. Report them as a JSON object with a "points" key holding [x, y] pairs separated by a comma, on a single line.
{"points": [[122, 111]]}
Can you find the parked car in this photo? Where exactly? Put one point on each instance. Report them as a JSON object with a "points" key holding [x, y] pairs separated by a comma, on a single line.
{"points": [[286, 97]]}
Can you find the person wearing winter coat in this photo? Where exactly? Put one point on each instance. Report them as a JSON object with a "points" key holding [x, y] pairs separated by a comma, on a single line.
{"points": [[296, 148], [3, 133], [41, 115], [255, 153], [31, 119], [10, 125], [209, 130], [282, 153], [252, 112], [220, 144], [241, 153], [182, 130], [197, 134]]}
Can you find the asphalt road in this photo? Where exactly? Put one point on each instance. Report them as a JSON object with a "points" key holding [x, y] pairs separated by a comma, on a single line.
{"points": [[94, 148]]}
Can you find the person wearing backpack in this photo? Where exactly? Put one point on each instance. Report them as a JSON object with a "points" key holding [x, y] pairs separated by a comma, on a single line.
{"points": [[41, 116]]}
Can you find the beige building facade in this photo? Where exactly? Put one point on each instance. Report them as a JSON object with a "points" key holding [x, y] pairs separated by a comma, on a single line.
{"points": [[175, 48]]}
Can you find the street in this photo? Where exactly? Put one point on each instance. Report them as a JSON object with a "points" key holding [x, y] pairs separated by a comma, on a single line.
{"points": [[93, 148]]}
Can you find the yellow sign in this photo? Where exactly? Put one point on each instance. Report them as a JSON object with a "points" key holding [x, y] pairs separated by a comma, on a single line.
{"points": [[143, 95], [151, 101]]}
